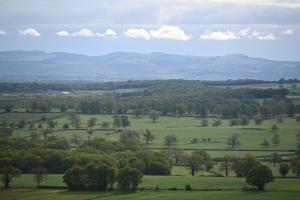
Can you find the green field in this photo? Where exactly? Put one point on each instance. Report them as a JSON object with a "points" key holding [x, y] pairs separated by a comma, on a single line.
{"points": [[32, 194], [178, 182], [185, 129]]}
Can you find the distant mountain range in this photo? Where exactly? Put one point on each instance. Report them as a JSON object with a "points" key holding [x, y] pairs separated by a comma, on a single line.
{"points": [[122, 66]]}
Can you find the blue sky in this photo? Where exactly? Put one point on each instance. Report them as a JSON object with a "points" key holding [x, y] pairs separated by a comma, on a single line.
{"points": [[260, 28]]}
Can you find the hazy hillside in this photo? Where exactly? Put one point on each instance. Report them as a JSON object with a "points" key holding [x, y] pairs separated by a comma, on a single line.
{"points": [[38, 65]]}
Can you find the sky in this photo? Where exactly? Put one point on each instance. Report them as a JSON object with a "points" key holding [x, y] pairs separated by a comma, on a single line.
{"points": [[258, 28]]}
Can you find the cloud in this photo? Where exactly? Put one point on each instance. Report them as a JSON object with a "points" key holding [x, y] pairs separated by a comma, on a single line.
{"points": [[264, 36], [235, 35], [288, 31], [164, 32], [137, 33], [62, 34], [169, 32], [219, 35], [2, 32], [108, 33], [30, 32], [83, 33]]}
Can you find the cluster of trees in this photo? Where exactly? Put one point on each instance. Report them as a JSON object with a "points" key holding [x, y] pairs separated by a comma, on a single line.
{"points": [[170, 97], [101, 177]]}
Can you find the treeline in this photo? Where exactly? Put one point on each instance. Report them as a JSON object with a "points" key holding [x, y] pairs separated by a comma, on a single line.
{"points": [[172, 97], [8, 87]]}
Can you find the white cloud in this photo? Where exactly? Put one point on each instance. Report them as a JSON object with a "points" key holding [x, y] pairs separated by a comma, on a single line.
{"points": [[169, 32], [2, 32], [164, 32], [62, 34], [83, 33], [137, 33], [108, 33], [219, 35], [268, 36], [288, 31], [234, 35], [30, 32]]}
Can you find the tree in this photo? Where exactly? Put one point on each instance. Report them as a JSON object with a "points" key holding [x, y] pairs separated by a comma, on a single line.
{"points": [[258, 121], [117, 121], [89, 131], [204, 123], [8, 108], [226, 164], [284, 169], [66, 126], [217, 122], [6, 131], [295, 165], [124, 121], [199, 160], [265, 143], [298, 136], [274, 128], [259, 176], [244, 121], [105, 124], [75, 139], [242, 166], [8, 173], [234, 141], [128, 179], [170, 140], [275, 158], [45, 132], [154, 116], [91, 122], [91, 177], [63, 108], [39, 175], [234, 122], [148, 136], [276, 139]]}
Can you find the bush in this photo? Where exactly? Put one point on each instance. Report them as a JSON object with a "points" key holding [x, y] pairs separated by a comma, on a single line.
{"points": [[188, 187]]}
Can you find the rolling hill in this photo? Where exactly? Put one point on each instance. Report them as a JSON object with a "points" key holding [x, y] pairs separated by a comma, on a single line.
{"points": [[122, 66]]}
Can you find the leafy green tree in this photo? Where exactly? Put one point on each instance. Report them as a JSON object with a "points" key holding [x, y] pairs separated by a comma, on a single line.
{"points": [[8, 173], [90, 132], [234, 141], [128, 179], [198, 160], [105, 124], [76, 139], [242, 166], [226, 164], [274, 128], [39, 175], [154, 116], [204, 123], [217, 122], [258, 121], [125, 121], [244, 121], [148, 136], [259, 176], [91, 122], [117, 121], [275, 158], [8, 108], [170, 140], [295, 165], [265, 143], [276, 139], [284, 169]]}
